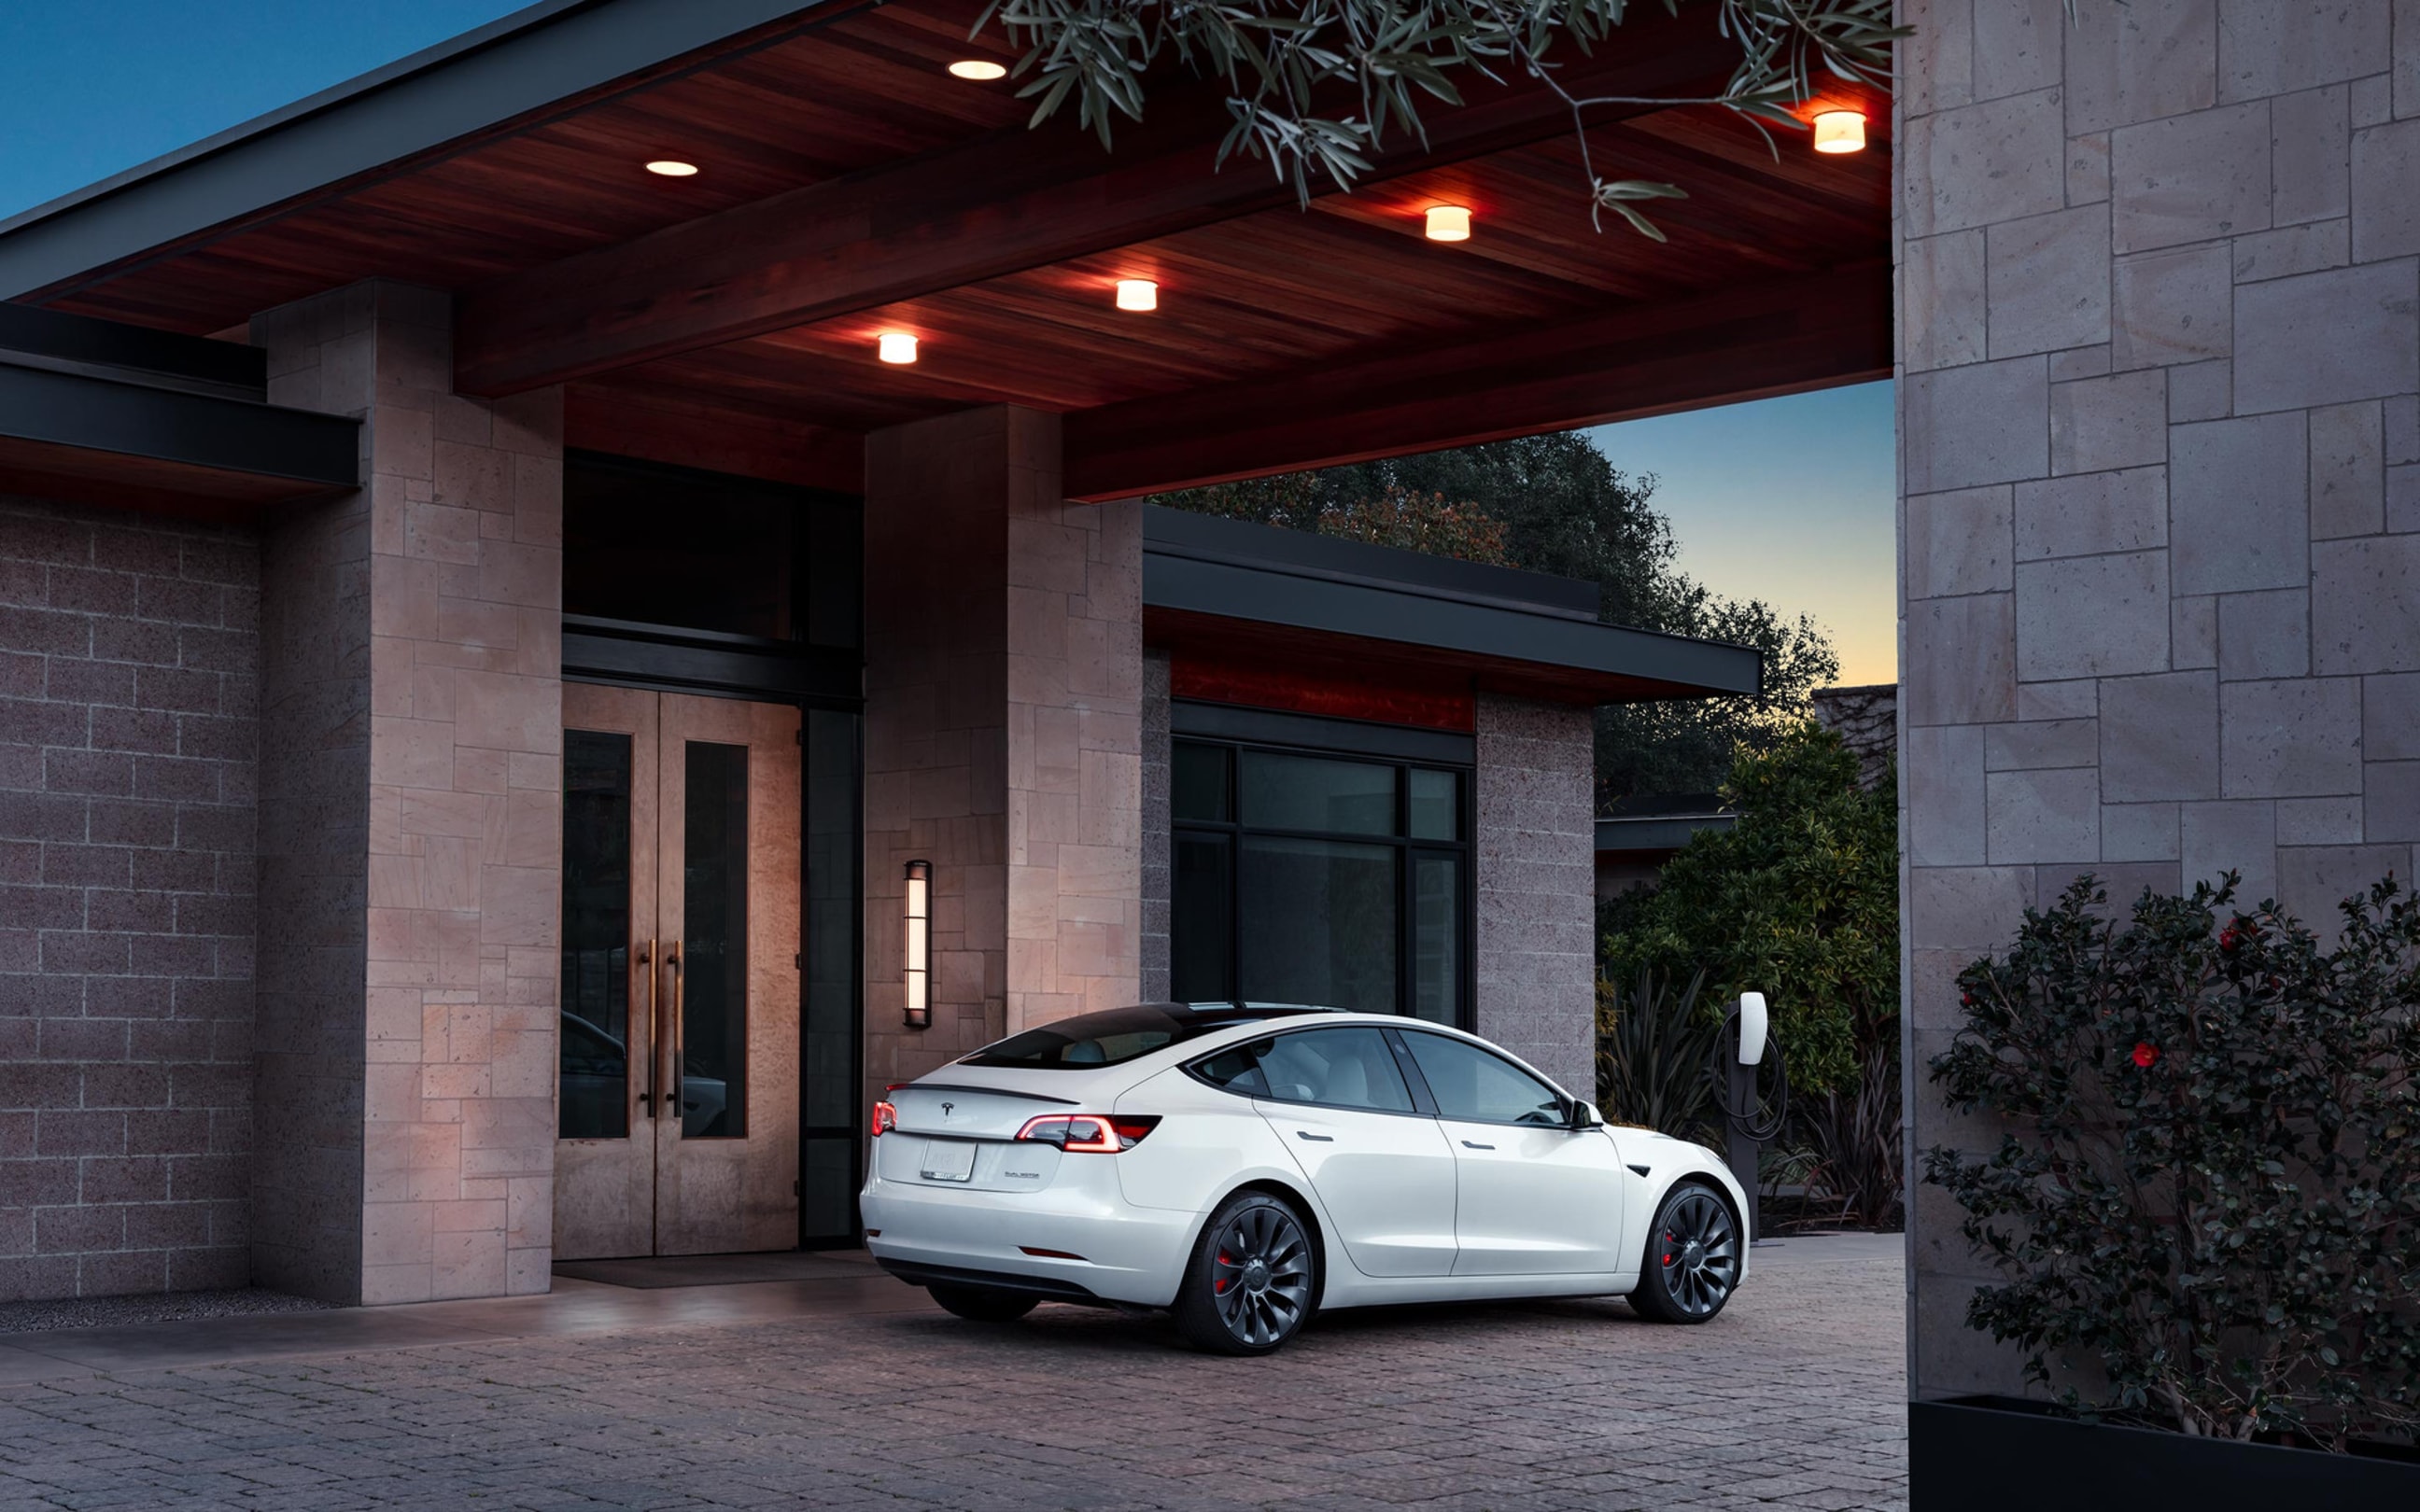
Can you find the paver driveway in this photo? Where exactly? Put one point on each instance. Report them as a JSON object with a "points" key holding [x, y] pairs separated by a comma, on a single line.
{"points": [[1792, 1398]]}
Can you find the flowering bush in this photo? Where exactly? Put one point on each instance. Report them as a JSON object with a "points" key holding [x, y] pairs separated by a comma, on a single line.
{"points": [[2207, 1201]]}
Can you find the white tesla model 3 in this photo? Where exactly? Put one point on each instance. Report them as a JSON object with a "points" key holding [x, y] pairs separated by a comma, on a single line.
{"points": [[1244, 1166]]}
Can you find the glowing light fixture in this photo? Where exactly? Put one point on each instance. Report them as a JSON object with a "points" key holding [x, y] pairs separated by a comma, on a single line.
{"points": [[1138, 294], [981, 70], [673, 168], [1841, 130], [1448, 223], [918, 915], [895, 347]]}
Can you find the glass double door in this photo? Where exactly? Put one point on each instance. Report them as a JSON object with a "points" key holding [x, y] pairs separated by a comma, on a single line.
{"points": [[678, 1113]]}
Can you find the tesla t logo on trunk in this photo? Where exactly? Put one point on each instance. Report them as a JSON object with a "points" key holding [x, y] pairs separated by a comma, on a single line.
{"points": [[946, 1107]]}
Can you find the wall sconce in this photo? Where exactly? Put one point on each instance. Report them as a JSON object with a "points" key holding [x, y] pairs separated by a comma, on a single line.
{"points": [[917, 914], [1841, 130]]}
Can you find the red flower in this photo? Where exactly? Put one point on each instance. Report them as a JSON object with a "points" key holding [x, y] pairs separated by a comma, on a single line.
{"points": [[2227, 938], [2146, 1053]]}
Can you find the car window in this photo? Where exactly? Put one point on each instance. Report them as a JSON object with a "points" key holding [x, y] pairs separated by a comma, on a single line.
{"points": [[1342, 1067], [1094, 1040], [1237, 1069], [1471, 1083]]}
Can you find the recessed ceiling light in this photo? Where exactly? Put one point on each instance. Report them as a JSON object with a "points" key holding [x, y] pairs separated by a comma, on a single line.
{"points": [[982, 70], [1841, 130], [673, 168], [1138, 294], [1448, 223], [895, 347]]}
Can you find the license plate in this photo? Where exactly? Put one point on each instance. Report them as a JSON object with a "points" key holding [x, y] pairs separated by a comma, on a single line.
{"points": [[949, 1160]]}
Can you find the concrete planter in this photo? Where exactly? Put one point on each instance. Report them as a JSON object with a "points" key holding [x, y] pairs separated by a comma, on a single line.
{"points": [[1985, 1454]]}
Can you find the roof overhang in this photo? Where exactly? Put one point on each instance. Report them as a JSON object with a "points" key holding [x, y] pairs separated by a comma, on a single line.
{"points": [[1219, 588], [91, 409]]}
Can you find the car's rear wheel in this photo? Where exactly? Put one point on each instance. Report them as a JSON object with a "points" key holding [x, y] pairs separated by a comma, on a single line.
{"points": [[1253, 1276], [1692, 1264], [985, 1305]]}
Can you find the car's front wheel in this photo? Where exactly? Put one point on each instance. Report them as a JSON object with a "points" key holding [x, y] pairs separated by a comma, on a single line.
{"points": [[1692, 1263], [985, 1305], [1253, 1278]]}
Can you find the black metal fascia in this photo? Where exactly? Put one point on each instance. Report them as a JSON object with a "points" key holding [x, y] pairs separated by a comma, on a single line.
{"points": [[632, 654], [102, 414], [1657, 832], [1273, 597], [508, 69], [32, 336]]}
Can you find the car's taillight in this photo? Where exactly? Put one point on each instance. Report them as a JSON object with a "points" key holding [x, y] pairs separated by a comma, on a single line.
{"points": [[1087, 1134], [886, 1118]]}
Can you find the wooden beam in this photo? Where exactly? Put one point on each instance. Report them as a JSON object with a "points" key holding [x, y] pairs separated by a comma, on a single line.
{"points": [[1002, 204], [1790, 334]]}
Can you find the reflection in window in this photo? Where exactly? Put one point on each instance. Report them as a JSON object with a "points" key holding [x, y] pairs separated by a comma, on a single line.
{"points": [[594, 1101], [1281, 792], [1316, 923], [714, 905], [1436, 937], [1201, 926]]}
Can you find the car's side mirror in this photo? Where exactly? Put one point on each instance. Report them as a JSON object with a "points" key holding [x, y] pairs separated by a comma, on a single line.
{"points": [[1584, 1116]]}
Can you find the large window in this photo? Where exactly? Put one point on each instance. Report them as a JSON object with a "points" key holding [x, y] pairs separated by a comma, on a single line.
{"points": [[1313, 878]]}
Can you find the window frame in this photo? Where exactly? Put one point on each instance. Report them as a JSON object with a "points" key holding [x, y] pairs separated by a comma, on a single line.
{"points": [[1407, 851]]}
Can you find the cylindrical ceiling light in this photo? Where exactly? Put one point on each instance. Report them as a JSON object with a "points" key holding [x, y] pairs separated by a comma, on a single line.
{"points": [[981, 70], [1448, 223], [1841, 130], [917, 974], [1138, 294], [895, 347]]}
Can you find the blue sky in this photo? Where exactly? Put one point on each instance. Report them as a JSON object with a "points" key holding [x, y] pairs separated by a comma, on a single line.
{"points": [[1785, 500], [1788, 500]]}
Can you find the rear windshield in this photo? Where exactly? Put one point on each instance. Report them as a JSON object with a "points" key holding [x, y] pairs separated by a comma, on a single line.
{"points": [[1110, 1039]]}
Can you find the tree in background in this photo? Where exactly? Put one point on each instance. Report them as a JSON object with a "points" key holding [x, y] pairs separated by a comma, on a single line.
{"points": [[1799, 901], [1554, 503]]}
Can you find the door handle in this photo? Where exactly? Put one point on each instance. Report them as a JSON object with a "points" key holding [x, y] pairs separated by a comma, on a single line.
{"points": [[1473, 1144], [646, 1088], [670, 1039], [1304, 1134]]}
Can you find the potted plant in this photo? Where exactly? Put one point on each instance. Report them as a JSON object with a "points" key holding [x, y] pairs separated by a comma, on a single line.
{"points": [[2205, 1204]]}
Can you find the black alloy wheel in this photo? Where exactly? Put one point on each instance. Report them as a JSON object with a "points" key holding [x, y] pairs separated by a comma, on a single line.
{"points": [[1250, 1285], [1692, 1263], [985, 1305]]}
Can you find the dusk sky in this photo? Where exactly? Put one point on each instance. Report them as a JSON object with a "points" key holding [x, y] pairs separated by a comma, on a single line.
{"points": [[1785, 500]]}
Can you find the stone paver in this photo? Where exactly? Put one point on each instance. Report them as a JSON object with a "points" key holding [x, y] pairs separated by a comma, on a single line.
{"points": [[1791, 1399]]}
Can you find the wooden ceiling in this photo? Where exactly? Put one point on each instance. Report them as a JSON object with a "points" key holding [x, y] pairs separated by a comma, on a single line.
{"points": [[849, 186]]}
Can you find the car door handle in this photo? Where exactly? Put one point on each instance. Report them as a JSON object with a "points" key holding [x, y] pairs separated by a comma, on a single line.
{"points": [[1473, 1144], [1304, 1134]]}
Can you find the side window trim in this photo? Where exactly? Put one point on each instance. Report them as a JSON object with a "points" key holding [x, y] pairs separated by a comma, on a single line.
{"points": [[1422, 1098], [1560, 1099]]}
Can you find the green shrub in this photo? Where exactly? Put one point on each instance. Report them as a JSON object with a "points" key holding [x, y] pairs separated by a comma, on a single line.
{"points": [[1653, 1051], [1799, 901], [2208, 1196]]}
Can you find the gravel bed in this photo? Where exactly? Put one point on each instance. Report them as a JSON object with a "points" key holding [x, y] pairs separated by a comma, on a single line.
{"points": [[150, 1307]]}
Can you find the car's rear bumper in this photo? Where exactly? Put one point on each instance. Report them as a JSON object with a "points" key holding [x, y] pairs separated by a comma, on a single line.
{"points": [[1108, 1250]]}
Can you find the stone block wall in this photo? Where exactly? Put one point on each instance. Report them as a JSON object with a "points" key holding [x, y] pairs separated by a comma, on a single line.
{"points": [[418, 672], [1536, 885], [2159, 346], [1003, 734], [128, 695]]}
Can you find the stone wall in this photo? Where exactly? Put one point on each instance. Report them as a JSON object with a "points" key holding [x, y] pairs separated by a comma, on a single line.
{"points": [[1536, 896], [126, 793], [2159, 342], [416, 696], [1158, 819], [1867, 720], [1003, 734]]}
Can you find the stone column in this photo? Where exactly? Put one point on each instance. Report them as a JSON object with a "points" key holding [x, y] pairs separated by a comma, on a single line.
{"points": [[1003, 737], [2160, 347], [1536, 885], [412, 726]]}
